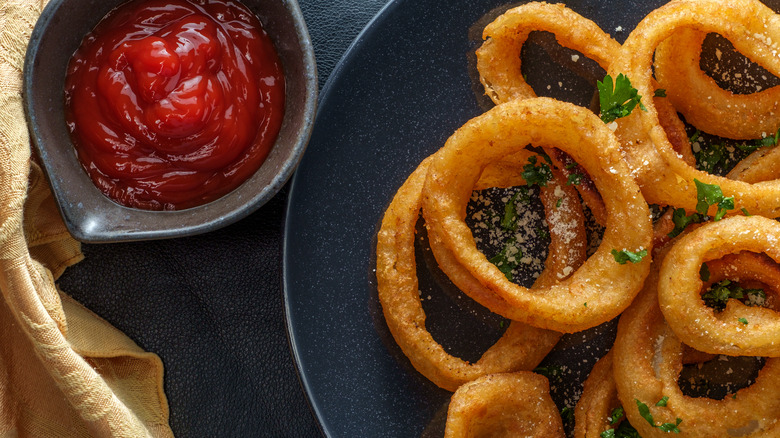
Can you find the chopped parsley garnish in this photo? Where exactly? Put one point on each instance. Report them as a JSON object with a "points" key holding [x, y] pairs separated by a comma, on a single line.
{"points": [[710, 157], [706, 195], [524, 194], [704, 272], [681, 221], [663, 401], [616, 415], [542, 233], [718, 295], [507, 260], [671, 427], [760, 143], [711, 194], [567, 414], [574, 179], [558, 203], [745, 212], [628, 256], [644, 411], [619, 99], [743, 321], [509, 220], [624, 430], [549, 371], [534, 174], [660, 93]]}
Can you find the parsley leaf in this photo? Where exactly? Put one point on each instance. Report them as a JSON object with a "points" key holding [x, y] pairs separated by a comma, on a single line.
{"points": [[549, 371], [710, 157], [627, 256], [567, 414], [681, 221], [760, 143], [616, 415], [644, 411], [619, 99], [671, 427], [534, 174], [574, 179], [743, 321], [711, 194], [663, 401], [660, 93], [719, 293], [706, 195], [509, 220], [506, 260]]}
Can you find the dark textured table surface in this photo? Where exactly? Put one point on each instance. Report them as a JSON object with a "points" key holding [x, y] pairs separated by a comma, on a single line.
{"points": [[211, 306]]}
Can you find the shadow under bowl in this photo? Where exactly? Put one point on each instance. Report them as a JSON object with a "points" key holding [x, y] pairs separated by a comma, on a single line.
{"points": [[92, 217]]}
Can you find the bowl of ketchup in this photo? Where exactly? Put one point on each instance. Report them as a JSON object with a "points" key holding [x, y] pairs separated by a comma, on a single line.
{"points": [[165, 118]]}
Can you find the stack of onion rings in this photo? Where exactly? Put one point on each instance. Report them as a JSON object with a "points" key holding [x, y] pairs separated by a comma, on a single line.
{"points": [[654, 159], [666, 178], [647, 359]]}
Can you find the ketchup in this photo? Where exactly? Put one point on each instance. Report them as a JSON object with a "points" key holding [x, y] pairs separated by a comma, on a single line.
{"points": [[172, 104]]}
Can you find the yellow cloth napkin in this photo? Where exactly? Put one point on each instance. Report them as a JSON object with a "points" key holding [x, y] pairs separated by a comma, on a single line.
{"points": [[63, 370]]}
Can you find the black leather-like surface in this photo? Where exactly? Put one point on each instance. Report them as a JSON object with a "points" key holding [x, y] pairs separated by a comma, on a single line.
{"points": [[211, 305]]}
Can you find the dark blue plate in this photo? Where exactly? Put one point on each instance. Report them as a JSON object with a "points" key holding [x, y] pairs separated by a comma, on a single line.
{"points": [[404, 86]]}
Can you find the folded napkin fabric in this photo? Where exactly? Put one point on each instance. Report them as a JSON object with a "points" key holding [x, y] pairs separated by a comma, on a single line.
{"points": [[64, 371]]}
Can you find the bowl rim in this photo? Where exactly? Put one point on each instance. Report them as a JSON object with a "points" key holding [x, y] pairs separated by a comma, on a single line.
{"points": [[98, 219]]}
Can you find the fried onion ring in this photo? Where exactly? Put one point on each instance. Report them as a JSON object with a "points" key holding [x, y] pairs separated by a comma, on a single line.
{"points": [[498, 59], [665, 178], [568, 241], [598, 400], [761, 165], [598, 290], [504, 405], [647, 361], [750, 270], [520, 348], [704, 104], [739, 330]]}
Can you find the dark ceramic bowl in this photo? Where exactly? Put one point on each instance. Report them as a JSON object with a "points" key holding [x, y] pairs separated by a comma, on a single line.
{"points": [[92, 217]]}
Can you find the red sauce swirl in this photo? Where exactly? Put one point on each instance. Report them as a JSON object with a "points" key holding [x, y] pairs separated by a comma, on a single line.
{"points": [[172, 104]]}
